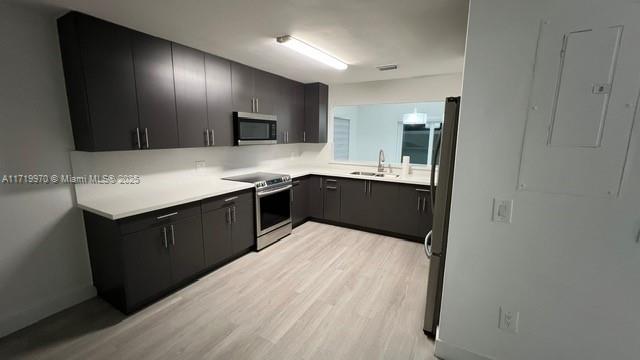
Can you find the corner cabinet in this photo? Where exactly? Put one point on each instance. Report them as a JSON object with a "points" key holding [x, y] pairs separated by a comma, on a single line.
{"points": [[138, 259], [129, 90]]}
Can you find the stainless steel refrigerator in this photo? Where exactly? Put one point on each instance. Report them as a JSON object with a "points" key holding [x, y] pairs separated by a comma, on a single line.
{"points": [[436, 240]]}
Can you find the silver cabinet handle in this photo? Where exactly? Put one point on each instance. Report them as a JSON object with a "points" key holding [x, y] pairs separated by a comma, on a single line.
{"points": [[227, 216], [213, 137], [230, 199], [166, 216], [164, 233], [173, 236], [422, 190], [138, 136], [206, 137], [424, 204], [331, 180], [304, 136], [369, 187], [253, 104], [418, 209], [146, 136], [365, 187], [257, 105], [233, 212], [332, 188]]}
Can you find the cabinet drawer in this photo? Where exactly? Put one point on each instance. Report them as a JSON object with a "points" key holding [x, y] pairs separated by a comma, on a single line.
{"points": [[225, 200], [144, 221]]}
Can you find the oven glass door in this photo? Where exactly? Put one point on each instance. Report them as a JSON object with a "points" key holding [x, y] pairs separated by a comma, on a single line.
{"points": [[274, 210]]}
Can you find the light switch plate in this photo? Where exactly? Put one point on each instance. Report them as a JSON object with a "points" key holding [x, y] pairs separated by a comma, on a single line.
{"points": [[502, 209], [508, 320]]}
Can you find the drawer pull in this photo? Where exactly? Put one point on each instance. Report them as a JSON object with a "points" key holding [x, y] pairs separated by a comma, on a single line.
{"points": [[230, 199], [167, 215], [331, 188], [422, 190]]}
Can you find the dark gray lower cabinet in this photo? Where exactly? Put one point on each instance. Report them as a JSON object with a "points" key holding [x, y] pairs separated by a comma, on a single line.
{"points": [[331, 199], [185, 247], [355, 202], [315, 187], [414, 213], [228, 226], [137, 259], [147, 265], [217, 236], [300, 201]]}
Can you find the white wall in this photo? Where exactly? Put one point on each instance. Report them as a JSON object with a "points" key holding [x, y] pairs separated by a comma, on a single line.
{"points": [[44, 265], [570, 265]]}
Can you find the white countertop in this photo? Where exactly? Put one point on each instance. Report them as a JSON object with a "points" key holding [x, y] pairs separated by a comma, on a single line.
{"points": [[120, 201]]}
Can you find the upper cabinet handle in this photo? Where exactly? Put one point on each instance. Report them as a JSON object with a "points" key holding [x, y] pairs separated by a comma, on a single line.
{"points": [[167, 215]]}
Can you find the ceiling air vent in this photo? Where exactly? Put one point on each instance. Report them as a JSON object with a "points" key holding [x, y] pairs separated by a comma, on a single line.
{"points": [[387, 67]]}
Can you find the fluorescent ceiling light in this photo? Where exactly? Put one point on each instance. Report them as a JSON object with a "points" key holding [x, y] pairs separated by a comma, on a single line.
{"points": [[414, 118], [308, 50]]}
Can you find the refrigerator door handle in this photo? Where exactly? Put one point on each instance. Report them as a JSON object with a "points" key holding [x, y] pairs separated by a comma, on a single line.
{"points": [[427, 244]]}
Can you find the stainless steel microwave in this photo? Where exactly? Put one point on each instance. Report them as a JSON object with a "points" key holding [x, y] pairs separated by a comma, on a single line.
{"points": [[254, 129]]}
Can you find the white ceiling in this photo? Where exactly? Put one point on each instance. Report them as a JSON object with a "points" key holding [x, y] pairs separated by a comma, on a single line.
{"points": [[424, 37]]}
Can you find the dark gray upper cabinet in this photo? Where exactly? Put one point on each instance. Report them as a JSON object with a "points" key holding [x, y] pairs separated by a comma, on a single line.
{"points": [[99, 75], [315, 187], [187, 257], [191, 95], [296, 104], [316, 103], [242, 87], [219, 107], [332, 199], [147, 265], [265, 91], [156, 96], [128, 90], [300, 200]]}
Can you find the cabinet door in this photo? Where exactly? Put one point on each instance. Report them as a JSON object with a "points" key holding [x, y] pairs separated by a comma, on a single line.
{"points": [[243, 234], [355, 202], [283, 108], [266, 91], [332, 199], [155, 90], [300, 201], [316, 99], [382, 215], [296, 124], [242, 87], [147, 264], [110, 84], [218, 75], [216, 228], [187, 254], [191, 95], [316, 197], [414, 215]]}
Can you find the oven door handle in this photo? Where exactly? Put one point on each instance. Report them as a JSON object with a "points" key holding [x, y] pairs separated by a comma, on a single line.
{"points": [[265, 193]]}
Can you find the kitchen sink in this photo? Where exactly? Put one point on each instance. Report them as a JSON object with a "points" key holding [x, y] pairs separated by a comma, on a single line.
{"points": [[374, 174]]}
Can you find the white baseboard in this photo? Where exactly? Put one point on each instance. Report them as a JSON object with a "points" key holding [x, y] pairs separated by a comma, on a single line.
{"points": [[45, 307], [449, 352]]}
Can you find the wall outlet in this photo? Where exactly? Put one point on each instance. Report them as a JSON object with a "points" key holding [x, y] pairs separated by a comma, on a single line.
{"points": [[200, 165], [502, 210], [508, 320]]}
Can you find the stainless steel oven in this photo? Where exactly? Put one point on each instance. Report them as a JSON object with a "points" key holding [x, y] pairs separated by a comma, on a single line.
{"points": [[254, 129], [273, 205], [273, 214]]}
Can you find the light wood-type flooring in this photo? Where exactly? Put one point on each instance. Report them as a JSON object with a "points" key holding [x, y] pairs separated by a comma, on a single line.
{"points": [[325, 292]]}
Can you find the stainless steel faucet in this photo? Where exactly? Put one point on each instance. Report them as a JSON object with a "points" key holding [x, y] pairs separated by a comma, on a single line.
{"points": [[381, 161]]}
